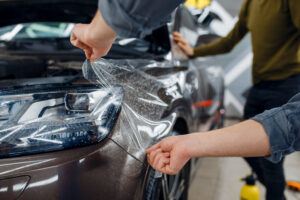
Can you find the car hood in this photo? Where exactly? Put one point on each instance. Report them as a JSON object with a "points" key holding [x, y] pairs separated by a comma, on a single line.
{"points": [[22, 11]]}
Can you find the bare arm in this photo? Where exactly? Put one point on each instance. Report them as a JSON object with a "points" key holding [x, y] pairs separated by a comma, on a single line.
{"points": [[247, 139], [244, 139]]}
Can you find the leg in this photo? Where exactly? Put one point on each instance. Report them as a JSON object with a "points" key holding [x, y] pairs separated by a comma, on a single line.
{"points": [[253, 107], [269, 174], [274, 179], [255, 164], [264, 96]]}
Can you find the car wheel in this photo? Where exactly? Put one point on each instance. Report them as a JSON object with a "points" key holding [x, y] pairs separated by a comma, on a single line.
{"points": [[169, 187]]}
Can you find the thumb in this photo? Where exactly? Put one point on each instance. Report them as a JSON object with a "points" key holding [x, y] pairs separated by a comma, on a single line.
{"points": [[177, 161]]}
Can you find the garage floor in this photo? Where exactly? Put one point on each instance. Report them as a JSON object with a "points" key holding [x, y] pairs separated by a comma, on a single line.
{"points": [[218, 178]]}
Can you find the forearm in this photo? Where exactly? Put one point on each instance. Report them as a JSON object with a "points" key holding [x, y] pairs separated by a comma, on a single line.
{"points": [[221, 46], [246, 139]]}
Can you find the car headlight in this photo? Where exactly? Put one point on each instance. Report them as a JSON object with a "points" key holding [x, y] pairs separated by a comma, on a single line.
{"points": [[42, 120]]}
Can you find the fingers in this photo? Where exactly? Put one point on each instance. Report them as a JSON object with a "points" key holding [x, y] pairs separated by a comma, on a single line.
{"points": [[96, 54], [88, 54], [176, 34], [153, 154], [93, 42], [76, 42], [165, 145], [79, 31], [181, 45], [162, 163], [159, 161], [186, 48], [169, 155], [170, 170], [182, 42], [158, 155], [156, 146], [76, 39], [87, 50], [178, 37]]}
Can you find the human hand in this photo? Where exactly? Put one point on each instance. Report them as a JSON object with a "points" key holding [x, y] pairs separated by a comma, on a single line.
{"points": [[95, 39], [170, 154], [183, 44]]}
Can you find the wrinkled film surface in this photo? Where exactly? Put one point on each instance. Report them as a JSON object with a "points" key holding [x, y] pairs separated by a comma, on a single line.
{"points": [[141, 118]]}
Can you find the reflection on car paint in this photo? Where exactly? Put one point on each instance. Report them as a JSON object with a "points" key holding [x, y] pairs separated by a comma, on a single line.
{"points": [[43, 182], [22, 166]]}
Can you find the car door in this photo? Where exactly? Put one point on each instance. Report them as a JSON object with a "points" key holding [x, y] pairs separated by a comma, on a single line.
{"points": [[205, 72]]}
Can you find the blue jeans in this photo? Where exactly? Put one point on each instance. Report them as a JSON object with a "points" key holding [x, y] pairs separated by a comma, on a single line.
{"points": [[264, 96]]}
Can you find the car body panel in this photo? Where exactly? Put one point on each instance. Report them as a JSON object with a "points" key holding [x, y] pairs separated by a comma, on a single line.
{"points": [[68, 174]]}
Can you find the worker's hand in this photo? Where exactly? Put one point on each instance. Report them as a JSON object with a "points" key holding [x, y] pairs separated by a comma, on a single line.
{"points": [[183, 44], [95, 39], [170, 154]]}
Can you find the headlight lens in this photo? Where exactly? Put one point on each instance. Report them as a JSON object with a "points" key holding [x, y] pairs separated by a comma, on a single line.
{"points": [[54, 119]]}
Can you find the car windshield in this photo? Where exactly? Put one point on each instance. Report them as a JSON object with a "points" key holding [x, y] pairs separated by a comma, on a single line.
{"points": [[156, 44], [36, 30], [50, 30]]}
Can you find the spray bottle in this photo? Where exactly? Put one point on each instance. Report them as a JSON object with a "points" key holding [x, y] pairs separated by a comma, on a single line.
{"points": [[250, 191]]}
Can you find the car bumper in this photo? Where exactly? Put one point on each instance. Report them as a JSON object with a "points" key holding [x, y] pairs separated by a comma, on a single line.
{"points": [[102, 171]]}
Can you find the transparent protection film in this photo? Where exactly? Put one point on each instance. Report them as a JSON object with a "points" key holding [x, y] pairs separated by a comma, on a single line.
{"points": [[141, 121]]}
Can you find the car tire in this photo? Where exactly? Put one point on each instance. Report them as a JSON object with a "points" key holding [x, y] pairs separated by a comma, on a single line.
{"points": [[169, 187]]}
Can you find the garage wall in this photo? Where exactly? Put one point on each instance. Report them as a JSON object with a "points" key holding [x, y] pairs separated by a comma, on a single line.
{"points": [[237, 67], [232, 6]]}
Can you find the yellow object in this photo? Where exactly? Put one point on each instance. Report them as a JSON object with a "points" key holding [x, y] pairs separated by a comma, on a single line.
{"points": [[250, 191], [200, 4]]}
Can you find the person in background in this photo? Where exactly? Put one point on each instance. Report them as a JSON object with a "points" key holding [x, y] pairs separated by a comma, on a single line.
{"points": [[274, 26]]}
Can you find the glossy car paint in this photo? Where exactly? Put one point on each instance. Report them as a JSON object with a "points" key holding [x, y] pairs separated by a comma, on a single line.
{"points": [[113, 168]]}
